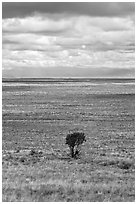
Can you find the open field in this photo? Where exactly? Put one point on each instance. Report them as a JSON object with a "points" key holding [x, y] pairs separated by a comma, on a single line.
{"points": [[36, 118]]}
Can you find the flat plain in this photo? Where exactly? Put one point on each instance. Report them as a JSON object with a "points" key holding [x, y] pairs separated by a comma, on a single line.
{"points": [[36, 117]]}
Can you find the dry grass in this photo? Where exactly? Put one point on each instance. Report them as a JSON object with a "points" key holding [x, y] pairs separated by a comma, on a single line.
{"points": [[36, 162], [45, 176]]}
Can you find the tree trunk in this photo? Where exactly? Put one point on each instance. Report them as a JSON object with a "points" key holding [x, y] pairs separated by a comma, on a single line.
{"points": [[72, 151]]}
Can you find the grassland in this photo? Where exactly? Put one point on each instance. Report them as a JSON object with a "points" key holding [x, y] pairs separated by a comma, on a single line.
{"points": [[35, 160]]}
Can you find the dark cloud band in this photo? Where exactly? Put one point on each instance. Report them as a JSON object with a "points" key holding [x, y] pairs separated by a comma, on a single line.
{"points": [[16, 9]]}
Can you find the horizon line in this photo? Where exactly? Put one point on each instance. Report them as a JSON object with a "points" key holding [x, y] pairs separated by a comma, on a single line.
{"points": [[69, 77]]}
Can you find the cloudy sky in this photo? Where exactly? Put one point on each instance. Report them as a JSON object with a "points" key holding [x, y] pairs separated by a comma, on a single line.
{"points": [[68, 39]]}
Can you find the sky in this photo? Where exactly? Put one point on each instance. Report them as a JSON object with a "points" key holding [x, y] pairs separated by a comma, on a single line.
{"points": [[68, 39]]}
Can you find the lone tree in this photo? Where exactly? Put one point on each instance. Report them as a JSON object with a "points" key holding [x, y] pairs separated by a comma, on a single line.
{"points": [[74, 140]]}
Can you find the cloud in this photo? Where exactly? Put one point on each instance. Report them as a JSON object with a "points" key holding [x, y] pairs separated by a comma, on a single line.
{"points": [[21, 9], [43, 41], [35, 24], [21, 41], [68, 31], [34, 59], [61, 24], [68, 72]]}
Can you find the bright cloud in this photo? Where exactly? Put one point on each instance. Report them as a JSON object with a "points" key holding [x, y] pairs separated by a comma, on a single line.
{"points": [[35, 24]]}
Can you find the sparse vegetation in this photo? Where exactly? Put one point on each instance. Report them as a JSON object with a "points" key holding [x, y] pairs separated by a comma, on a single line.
{"points": [[36, 166]]}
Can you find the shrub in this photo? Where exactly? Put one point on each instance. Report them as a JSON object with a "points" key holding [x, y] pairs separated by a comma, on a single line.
{"points": [[74, 141], [33, 152], [125, 164]]}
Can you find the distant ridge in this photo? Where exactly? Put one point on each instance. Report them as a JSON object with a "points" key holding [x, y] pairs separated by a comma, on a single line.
{"points": [[79, 79]]}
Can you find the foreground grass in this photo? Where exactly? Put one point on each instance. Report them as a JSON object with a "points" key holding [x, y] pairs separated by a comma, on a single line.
{"points": [[52, 176]]}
